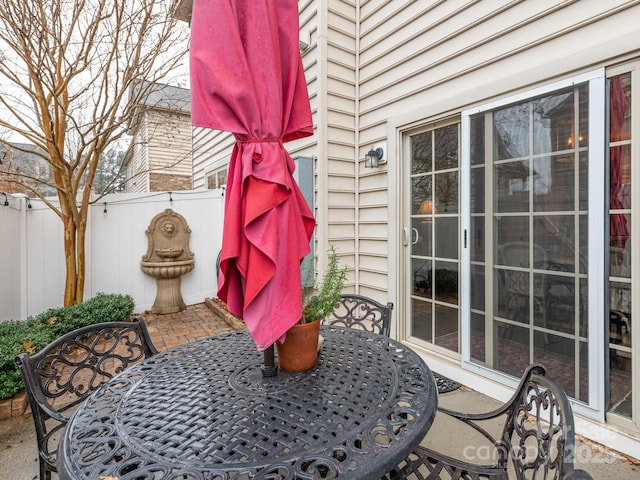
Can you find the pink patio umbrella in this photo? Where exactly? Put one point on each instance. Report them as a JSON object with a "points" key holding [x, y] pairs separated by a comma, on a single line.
{"points": [[247, 78]]}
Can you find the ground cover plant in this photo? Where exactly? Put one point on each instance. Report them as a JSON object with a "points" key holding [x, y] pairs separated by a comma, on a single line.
{"points": [[34, 333]]}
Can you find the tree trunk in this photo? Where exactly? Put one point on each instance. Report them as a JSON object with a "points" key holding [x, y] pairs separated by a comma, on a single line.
{"points": [[70, 261], [80, 255]]}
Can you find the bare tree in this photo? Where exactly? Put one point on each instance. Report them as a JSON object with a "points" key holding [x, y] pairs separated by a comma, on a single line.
{"points": [[72, 75]]}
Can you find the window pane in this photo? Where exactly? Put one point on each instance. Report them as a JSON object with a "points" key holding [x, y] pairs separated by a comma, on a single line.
{"points": [[446, 241], [558, 356], [556, 236], [583, 181], [421, 319], [446, 147], [512, 350], [511, 131], [511, 229], [478, 349], [476, 239], [446, 192], [421, 153], [477, 190], [421, 189], [511, 181], [477, 287], [619, 108], [553, 123], [421, 232], [447, 327], [477, 140], [422, 278], [446, 282], [554, 183]]}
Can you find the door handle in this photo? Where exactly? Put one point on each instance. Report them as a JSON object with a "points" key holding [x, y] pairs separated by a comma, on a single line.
{"points": [[410, 236], [417, 236]]}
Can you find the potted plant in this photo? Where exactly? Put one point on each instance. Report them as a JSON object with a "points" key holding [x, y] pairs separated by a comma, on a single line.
{"points": [[299, 351]]}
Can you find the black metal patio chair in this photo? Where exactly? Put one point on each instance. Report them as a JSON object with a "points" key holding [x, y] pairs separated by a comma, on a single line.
{"points": [[66, 371], [362, 313], [537, 439]]}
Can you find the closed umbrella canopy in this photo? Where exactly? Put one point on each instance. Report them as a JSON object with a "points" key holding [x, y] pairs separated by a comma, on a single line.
{"points": [[247, 78]]}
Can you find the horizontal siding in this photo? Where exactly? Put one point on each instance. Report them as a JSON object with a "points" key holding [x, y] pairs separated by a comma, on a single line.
{"points": [[338, 180], [446, 43], [138, 169], [435, 58], [169, 147]]}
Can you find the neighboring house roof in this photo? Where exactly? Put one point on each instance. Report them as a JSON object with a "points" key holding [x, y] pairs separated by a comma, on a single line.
{"points": [[25, 158], [182, 10], [167, 97], [20, 156], [160, 97]]}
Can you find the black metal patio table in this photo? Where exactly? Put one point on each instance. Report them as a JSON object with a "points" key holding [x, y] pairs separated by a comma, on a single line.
{"points": [[205, 411]]}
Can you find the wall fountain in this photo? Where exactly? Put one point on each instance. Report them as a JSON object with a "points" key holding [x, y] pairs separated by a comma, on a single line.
{"points": [[168, 257]]}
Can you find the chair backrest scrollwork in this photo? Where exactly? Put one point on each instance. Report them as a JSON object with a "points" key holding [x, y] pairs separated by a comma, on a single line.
{"points": [[66, 371], [362, 313]]}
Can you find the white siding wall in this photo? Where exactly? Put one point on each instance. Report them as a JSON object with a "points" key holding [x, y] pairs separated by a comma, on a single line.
{"points": [[137, 170], [211, 151], [430, 59], [338, 175], [169, 147]]}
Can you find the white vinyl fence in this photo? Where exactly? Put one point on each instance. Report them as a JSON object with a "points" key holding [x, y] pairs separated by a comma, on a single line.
{"points": [[32, 266]]}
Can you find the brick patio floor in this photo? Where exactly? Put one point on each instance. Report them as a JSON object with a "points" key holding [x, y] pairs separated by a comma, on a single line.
{"points": [[172, 329]]}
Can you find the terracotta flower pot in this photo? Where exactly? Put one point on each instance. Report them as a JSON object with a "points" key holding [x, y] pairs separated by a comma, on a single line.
{"points": [[299, 352]]}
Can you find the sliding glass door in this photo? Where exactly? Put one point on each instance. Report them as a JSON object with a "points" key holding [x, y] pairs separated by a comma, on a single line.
{"points": [[528, 167]]}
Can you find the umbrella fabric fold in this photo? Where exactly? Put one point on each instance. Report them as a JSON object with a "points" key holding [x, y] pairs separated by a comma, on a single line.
{"points": [[247, 78]]}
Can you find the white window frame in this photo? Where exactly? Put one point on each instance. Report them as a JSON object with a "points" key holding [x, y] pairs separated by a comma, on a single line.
{"points": [[213, 172], [597, 239]]}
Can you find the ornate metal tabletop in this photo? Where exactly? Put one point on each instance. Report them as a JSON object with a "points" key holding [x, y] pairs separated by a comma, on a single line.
{"points": [[204, 411]]}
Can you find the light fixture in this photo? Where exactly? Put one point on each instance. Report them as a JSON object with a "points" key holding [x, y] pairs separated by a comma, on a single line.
{"points": [[6, 201], [427, 208], [374, 158], [304, 42]]}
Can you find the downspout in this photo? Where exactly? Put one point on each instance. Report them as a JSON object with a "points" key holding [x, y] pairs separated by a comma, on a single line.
{"points": [[356, 273], [321, 204]]}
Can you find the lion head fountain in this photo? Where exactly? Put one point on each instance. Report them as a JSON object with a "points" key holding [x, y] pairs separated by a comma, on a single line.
{"points": [[168, 258]]}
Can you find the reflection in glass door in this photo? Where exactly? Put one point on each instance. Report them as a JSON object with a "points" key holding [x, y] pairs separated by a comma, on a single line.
{"points": [[620, 399], [434, 249], [528, 237]]}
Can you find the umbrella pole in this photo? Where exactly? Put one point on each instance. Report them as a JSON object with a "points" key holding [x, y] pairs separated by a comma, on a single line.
{"points": [[269, 367]]}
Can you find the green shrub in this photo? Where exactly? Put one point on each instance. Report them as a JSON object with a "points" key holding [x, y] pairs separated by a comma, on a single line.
{"points": [[33, 334]]}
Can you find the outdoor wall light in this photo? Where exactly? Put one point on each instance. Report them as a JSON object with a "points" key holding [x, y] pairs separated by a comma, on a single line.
{"points": [[305, 40], [374, 159], [6, 201]]}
